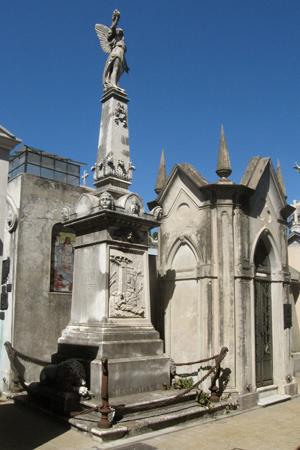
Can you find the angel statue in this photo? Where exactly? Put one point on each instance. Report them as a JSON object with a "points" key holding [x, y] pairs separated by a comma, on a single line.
{"points": [[112, 42], [297, 167]]}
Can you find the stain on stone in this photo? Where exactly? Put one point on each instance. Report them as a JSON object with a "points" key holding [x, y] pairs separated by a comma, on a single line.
{"points": [[125, 140]]}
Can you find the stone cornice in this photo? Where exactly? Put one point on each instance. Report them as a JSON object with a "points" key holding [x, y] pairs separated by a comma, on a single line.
{"points": [[104, 218], [7, 140]]}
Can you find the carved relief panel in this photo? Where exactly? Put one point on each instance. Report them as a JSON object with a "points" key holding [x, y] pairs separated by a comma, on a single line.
{"points": [[126, 285]]}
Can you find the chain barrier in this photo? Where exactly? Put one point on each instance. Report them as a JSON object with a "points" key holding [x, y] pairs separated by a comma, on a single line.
{"points": [[151, 405], [197, 362], [33, 360], [192, 374], [39, 362]]}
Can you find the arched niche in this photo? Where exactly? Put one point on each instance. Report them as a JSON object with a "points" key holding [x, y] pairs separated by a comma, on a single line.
{"points": [[182, 309], [263, 313], [184, 257]]}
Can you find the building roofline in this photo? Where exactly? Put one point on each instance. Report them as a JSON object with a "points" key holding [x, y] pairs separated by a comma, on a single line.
{"points": [[37, 150]]}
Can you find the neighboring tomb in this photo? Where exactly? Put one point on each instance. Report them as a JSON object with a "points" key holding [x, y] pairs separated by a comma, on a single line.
{"points": [[223, 270], [38, 255], [294, 262]]}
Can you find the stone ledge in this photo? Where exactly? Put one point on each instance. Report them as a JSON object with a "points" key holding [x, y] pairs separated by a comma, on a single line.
{"points": [[273, 399]]}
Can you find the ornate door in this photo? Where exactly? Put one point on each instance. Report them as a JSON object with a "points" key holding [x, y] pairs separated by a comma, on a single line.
{"points": [[263, 334]]}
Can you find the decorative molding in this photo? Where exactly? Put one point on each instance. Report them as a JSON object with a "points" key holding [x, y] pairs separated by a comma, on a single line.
{"points": [[106, 201], [110, 167], [120, 115], [65, 213], [157, 212], [12, 214], [134, 205]]}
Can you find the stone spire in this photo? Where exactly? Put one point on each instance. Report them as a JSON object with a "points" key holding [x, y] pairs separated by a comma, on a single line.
{"points": [[162, 176], [224, 167], [280, 178]]}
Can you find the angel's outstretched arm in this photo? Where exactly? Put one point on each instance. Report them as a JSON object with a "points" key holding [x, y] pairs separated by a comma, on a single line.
{"points": [[115, 20]]}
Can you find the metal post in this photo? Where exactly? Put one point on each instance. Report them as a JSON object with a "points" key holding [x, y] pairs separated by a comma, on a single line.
{"points": [[216, 391], [105, 409]]}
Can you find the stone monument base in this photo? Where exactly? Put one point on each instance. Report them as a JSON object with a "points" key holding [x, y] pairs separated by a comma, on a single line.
{"points": [[136, 362], [54, 400]]}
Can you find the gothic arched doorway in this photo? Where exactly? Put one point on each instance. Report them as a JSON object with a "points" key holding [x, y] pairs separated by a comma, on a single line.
{"points": [[263, 316]]}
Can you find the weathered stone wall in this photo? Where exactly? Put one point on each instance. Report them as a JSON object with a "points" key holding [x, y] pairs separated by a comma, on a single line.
{"points": [[207, 243], [37, 315], [187, 279]]}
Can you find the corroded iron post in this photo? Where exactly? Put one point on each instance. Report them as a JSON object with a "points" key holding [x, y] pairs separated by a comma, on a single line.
{"points": [[105, 409], [217, 391]]}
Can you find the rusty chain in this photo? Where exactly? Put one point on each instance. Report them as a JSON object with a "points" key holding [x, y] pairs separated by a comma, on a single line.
{"points": [[31, 359], [126, 409], [192, 374], [196, 362], [219, 358]]}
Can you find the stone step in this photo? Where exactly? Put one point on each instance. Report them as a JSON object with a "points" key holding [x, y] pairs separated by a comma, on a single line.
{"points": [[143, 398], [140, 422], [273, 399], [267, 391]]}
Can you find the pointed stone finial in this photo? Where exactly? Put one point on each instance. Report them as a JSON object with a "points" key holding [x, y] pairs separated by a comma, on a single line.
{"points": [[223, 167], [280, 178], [162, 175]]}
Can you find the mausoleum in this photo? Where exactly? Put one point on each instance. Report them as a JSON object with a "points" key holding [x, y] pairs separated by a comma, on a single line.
{"points": [[223, 272], [79, 284]]}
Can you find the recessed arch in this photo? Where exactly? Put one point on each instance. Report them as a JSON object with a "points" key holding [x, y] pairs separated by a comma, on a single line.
{"points": [[264, 259], [186, 248], [266, 237]]}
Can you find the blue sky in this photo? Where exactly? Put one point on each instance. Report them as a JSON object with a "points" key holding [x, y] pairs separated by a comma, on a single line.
{"points": [[195, 65]]}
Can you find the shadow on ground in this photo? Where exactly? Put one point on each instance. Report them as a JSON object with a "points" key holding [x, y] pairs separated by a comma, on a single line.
{"points": [[25, 429]]}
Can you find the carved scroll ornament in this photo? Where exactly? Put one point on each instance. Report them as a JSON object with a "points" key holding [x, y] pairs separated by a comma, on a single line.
{"points": [[12, 214]]}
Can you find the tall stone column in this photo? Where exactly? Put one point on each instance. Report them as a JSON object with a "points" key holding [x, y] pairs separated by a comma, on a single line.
{"points": [[110, 314], [113, 160]]}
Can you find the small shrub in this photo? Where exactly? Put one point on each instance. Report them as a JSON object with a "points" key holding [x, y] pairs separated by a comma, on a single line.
{"points": [[183, 383], [202, 398]]}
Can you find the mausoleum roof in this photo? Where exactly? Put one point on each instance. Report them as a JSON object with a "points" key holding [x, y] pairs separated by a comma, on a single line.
{"points": [[189, 171]]}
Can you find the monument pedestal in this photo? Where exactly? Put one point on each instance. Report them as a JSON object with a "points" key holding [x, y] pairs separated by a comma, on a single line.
{"points": [[110, 315], [136, 362]]}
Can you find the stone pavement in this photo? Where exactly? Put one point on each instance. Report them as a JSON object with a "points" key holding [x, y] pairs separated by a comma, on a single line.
{"points": [[273, 428]]}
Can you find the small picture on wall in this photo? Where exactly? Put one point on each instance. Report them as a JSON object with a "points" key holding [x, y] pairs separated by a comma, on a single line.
{"points": [[63, 261]]}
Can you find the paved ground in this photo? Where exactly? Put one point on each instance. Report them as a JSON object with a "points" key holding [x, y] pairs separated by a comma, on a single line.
{"points": [[273, 428]]}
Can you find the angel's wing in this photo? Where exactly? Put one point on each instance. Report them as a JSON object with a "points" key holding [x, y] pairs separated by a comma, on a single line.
{"points": [[102, 32]]}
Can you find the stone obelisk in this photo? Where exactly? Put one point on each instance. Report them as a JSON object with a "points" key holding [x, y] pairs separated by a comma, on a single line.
{"points": [[110, 315]]}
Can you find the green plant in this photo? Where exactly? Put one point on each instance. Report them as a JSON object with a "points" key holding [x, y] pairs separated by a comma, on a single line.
{"points": [[224, 398], [203, 399], [183, 383]]}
